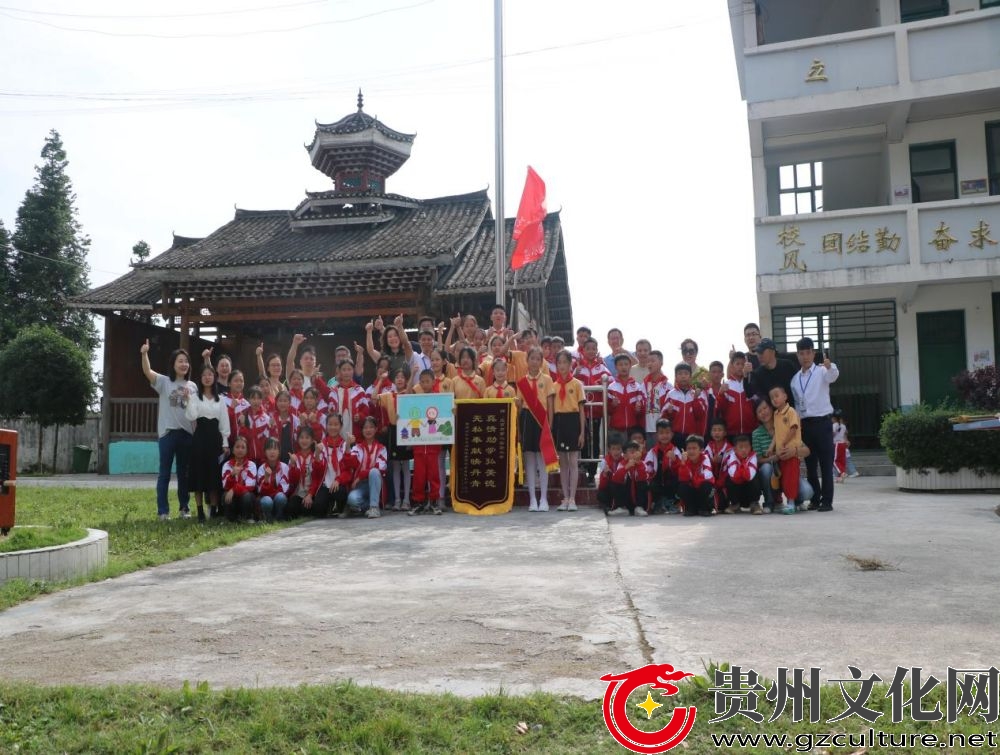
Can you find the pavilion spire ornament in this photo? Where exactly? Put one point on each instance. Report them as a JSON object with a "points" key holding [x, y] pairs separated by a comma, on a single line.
{"points": [[361, 100]]}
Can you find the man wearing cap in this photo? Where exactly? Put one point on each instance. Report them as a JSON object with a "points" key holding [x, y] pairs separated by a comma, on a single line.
{"points": [[772, 372], [811, 387]]}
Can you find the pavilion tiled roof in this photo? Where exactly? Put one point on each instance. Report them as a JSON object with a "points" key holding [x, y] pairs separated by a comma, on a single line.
{"points": [[357, 122], [414, 236]]}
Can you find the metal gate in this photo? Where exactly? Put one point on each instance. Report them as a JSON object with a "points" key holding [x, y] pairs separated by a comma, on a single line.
{"points": [[861, 339]]}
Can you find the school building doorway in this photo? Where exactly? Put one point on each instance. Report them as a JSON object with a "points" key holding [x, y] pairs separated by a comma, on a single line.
{"points": [[940, 353]]}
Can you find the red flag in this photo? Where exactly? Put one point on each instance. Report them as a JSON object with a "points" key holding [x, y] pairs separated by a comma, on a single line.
{"points": [[529, 234]]}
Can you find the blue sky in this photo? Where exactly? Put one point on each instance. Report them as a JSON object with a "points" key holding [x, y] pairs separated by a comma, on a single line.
{"points": [[629, 111]]}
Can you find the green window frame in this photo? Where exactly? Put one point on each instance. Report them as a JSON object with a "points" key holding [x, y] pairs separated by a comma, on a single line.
{"points": [[989, 4], [930, 183], [917, 10]]}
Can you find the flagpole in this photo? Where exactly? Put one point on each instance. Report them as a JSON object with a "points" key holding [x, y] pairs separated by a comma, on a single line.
{"points": [[500, 234]]}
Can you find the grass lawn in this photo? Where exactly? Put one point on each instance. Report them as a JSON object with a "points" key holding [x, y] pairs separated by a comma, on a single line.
{"points": [[136, 538], [22, 539], [351, 719]]}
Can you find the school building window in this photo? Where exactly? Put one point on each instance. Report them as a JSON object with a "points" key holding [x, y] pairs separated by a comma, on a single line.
{"points": [[800, 188], [915, 10], [990, 4], [932, 171], [993, 152]]}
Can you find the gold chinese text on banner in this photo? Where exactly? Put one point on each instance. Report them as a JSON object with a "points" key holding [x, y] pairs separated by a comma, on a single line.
{"points": [[482, 462]]}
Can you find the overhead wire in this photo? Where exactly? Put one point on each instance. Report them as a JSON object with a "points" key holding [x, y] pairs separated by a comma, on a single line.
{"points": [[161, 16]]}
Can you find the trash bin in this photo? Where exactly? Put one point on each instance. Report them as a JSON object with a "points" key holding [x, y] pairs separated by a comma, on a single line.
{"points": [[81, 459]]}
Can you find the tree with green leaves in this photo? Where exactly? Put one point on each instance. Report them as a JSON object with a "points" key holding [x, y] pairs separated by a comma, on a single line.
{"points": [[49, 263], [45, 377], [7, 328], [140, 252]]}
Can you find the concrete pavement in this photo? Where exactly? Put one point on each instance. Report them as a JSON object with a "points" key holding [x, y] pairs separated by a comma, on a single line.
{"points": [[539, 601]]}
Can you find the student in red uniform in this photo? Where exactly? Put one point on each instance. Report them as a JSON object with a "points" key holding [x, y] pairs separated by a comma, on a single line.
{"points": [[256, 425], [568, 422], [662, 461], [239, 484], [534, 429], [685, 406], [296, 386], [626, 401], [286, 424], [369, 466], [606, 469], [399, 456], [655, 386], [426, 491], [311, 375], [736, 406], [272, 482], [310, 414], [349, 400], [695, 483], [306, 468], [264, 386], [713, 392], [628, 483], [443, 383], [591, 371], [718, 449], [742, 483], [339, 468], [237, 404]]}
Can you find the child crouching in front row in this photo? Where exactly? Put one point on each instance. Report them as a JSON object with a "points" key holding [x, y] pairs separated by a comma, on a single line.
{"points": [[695, 483], [239, 483], [629, 483], [272, 482], [742, 483]]}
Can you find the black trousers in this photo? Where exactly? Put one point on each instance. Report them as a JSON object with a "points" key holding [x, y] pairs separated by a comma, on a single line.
{"points": [[817, 434], [743, 494], [330, 501], [320, 505], [627, 496], [664, 490], [241, 507], [698, 500]]}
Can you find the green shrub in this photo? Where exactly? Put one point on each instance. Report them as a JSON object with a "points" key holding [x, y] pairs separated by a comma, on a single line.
{"points": [[924, 439]]}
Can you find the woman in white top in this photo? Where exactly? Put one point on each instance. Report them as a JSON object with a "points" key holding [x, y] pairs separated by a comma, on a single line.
{"points": [[173, 428], [210, 443]]}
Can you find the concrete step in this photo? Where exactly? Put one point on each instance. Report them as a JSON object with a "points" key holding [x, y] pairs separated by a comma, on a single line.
{"points": [[873, 463]]}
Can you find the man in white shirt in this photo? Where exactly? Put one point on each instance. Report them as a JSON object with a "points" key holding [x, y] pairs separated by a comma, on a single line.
{"points": [[811, 387]]}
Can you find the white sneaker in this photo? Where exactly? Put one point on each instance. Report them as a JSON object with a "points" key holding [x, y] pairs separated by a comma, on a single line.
{"points": [[543, 505], [640, 512], [164, 517], [397, 506], [563, 506], [856, 474], [533, 506], [373, 513], [185, 514], [571, 506], [617, 512]]}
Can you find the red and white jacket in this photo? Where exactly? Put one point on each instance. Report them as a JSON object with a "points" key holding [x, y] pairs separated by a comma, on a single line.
{"points": [[718, 453], [317, 422], [605, 470], [695, 472], [305, 471], [736, 409], [624, 475], [367, 458], [237, 406], [290, 422], [662, 461], [686, 410], [741, 471], [339, 463], [627, 404], [351, 401], [270, 481], [656, 390], [256, 427], [239, 478], [593, 373], [378, 411], [320, 385]]}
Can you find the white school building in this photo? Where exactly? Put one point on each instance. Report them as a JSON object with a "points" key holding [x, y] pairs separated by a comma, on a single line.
{"points": [[875, 142]]}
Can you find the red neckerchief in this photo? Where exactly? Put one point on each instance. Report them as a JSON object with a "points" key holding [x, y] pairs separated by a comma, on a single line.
{"points": [[470, 381], [500, 388], [438, 379], [562, 385], [370, 454], [334, 445]]}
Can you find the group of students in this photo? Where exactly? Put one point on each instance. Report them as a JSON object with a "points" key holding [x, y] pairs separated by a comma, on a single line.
{"points": [[293, 444]]}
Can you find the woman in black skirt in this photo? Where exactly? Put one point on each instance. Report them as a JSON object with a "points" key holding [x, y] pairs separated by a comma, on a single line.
{"points": [[210, 443]]}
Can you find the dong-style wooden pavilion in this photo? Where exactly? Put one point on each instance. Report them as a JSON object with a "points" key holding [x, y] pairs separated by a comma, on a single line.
{"points": [[324, 268]]}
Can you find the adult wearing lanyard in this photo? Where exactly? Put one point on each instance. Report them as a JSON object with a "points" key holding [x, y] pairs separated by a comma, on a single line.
{"points": [[811, 386]]}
